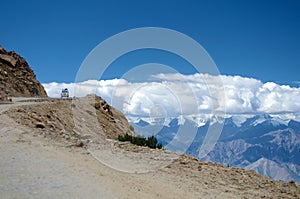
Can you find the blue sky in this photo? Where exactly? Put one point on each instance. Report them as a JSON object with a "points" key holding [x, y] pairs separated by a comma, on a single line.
{"points": [[258, 39]]}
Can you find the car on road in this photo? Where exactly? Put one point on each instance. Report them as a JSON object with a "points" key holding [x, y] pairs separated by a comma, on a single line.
{"points": [[65, 93]]}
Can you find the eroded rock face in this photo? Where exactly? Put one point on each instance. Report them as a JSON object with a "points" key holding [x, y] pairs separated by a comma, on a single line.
{"points": [[74, 120], [17, 79]]}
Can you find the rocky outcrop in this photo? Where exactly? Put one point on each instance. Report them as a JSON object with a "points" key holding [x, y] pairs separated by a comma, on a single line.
{"points": [[74, 120], [17, 79]]}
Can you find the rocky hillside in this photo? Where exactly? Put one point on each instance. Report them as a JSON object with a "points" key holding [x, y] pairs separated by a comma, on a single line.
{"points": [[74, 121], [17, 79]]}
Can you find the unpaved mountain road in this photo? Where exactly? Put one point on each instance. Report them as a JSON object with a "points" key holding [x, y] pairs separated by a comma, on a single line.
{"points": [[16, 101], [31, 168], [34, 166]]}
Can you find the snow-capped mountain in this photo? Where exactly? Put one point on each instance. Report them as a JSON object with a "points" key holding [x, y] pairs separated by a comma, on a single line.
{"points": [[264, 143]]}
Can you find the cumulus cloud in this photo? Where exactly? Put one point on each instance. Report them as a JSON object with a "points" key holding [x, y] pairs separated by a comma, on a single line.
{"points": [[177, 94]]}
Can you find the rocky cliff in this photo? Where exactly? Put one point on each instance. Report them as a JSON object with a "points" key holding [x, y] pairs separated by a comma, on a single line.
{"points": [[17, 79]]}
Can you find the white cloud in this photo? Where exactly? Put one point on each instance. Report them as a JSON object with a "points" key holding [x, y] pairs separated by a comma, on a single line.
{"points": [[296, 82], [177, 94]]}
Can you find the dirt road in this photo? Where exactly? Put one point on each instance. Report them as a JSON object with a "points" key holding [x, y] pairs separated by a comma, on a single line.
{"points": [[31, 168], [34, 167]]}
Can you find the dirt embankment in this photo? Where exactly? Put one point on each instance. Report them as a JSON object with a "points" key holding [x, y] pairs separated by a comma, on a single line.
{"points": [[76, 121]]}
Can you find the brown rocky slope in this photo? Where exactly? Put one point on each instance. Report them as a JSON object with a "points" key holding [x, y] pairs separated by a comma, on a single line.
{"points": [[17, 79], [67, 119]]}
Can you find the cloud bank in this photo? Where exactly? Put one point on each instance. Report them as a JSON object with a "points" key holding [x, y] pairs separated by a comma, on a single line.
{"points": [[172, 95]]}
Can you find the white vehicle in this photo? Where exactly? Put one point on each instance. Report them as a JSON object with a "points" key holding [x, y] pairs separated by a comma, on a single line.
{"points": [[65, 93]]}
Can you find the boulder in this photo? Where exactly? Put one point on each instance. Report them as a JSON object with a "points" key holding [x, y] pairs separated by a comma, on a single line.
{"points": [[40, 125], [9, 59]]}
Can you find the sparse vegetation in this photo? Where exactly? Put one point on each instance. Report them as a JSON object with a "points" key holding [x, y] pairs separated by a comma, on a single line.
{"points": [[151, 141]]}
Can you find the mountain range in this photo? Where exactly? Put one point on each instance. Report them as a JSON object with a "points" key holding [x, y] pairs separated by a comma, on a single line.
{"points": [[268, 145]]}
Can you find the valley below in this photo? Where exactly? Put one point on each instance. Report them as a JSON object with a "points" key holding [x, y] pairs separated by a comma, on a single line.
{"points": [[265, 144]]}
